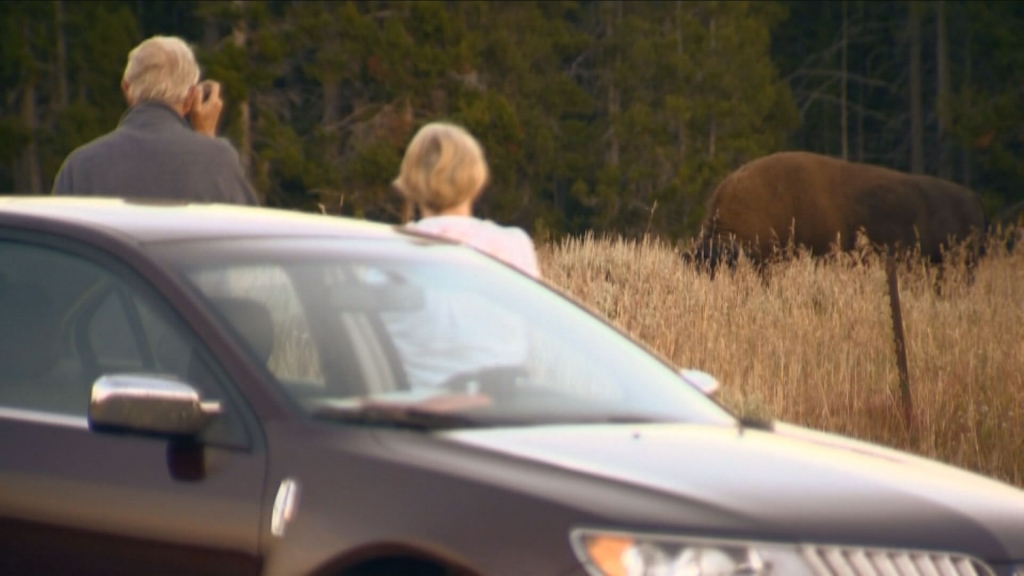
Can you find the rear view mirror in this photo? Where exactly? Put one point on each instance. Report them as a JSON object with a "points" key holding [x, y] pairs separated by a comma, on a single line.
{"points": [[147, 403], [359, 297], [702, 381]]}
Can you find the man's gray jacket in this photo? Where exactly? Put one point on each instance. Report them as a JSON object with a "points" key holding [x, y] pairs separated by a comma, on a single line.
{"points": [[154, 153]]}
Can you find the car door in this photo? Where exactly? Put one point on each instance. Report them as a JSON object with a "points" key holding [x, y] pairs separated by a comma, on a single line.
{"points": [[77, 501]]}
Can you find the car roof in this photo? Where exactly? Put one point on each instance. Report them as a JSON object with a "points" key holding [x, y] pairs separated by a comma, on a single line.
{"points": [[156, 221]]}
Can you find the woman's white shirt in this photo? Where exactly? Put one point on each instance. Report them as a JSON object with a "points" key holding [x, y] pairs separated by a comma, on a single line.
{"points": [[508, 244], [458, 333]]}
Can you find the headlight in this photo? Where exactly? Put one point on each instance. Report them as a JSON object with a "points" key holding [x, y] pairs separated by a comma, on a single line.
{"points": [[625, 554], [613, 553]]}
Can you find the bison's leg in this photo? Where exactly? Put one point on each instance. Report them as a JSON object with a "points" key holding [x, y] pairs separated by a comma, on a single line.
{"points": [[954, 253], [712, 251], [763, 268], [701, 256], [975, 252], [940, 276]]}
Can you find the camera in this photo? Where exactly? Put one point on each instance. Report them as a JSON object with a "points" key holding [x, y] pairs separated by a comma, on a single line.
{"points": [[207, 89]]}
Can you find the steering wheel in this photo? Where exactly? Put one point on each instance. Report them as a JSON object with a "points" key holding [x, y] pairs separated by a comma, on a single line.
{"points": [[495, 381]]}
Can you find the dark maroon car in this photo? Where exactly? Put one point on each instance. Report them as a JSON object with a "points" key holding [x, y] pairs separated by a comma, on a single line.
{"points": [[191, 389]]}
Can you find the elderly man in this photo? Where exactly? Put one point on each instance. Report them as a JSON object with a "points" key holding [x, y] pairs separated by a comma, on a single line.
{"points": [[156, 152]]}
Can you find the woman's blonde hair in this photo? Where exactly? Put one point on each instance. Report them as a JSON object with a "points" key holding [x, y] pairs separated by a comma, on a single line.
{"points": [[443, 167]]}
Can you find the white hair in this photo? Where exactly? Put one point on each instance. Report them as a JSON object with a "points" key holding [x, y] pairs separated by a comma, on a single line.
{"points": [[161, 68]]}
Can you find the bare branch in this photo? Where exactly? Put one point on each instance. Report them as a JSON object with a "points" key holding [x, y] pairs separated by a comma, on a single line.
{"points": [[1008, 213], [360, 113], [850, 76], [578, 60], [815, 94], [855, 107], [831, 49]]}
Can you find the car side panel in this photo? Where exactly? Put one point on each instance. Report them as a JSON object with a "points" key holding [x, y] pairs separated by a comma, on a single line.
{"points": [[358, 496], [77, 501]]}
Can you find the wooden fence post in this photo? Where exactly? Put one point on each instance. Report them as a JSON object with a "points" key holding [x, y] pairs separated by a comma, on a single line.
{"points": [[899, 340]]}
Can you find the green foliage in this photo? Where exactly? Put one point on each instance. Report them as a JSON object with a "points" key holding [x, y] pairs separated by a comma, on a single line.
{"points": [[987, 117], [14, 136], [98, 36], [610, 115], [979, 144]]}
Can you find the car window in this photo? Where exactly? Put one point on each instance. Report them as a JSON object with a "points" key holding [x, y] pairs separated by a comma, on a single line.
{"points": [[109, 334], [262, 304], [66, 321], [457, 333], [456, 330], [393, 322]]}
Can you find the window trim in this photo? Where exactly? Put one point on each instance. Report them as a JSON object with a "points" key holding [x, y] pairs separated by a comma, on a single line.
{"points": [[42, 417], [131, 310]]}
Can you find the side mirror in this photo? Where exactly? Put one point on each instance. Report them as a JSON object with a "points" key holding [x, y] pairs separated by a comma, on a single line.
{"points": [[148, 403], [702, 381]]}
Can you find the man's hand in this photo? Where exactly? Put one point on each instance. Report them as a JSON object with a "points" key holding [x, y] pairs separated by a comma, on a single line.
{"points": [[205, 112]]}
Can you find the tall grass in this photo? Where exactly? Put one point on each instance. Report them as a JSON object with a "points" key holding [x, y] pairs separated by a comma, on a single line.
{"points": [[815, 347]]}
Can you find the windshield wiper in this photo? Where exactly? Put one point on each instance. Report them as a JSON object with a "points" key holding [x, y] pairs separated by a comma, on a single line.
{"points": [[402, 416], [755, 423]]}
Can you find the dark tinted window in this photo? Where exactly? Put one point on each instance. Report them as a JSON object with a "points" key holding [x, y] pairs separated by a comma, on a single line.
{"points": [[66, 321], [111, 338]]}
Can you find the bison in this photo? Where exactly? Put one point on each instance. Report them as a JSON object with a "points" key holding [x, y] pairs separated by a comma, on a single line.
{"points": [[818, 202]]}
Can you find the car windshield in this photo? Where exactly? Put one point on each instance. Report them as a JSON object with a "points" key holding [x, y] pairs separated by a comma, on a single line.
{"points": [[411, 332]]}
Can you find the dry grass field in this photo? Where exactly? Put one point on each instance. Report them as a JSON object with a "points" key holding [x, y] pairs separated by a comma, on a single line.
{"points": [[815, 346]]}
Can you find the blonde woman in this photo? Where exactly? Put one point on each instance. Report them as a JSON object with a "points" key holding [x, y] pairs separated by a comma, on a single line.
{"points": [[457, 332], [443, 173]]}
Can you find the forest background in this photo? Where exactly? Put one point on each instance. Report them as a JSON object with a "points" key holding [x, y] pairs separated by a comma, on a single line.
{"points": [[613, 116]]}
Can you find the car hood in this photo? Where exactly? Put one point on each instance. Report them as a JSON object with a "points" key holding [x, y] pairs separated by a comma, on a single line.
{"points": [[791, 484]]}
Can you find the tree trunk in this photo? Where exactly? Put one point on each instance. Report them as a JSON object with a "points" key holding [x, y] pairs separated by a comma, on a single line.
{"points": [[860, 103], [916, 123], [680, 124], [63, 98], [711, 137], [942, 87], [679, 27], [613, 115], [332, 94], [613, 100], [842, 87], [965, 148], [711, 129], [31, 179], [211, 32], [240, 36]]}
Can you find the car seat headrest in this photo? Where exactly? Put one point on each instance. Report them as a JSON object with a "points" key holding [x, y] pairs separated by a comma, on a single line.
{"points": [[252, 320]]}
